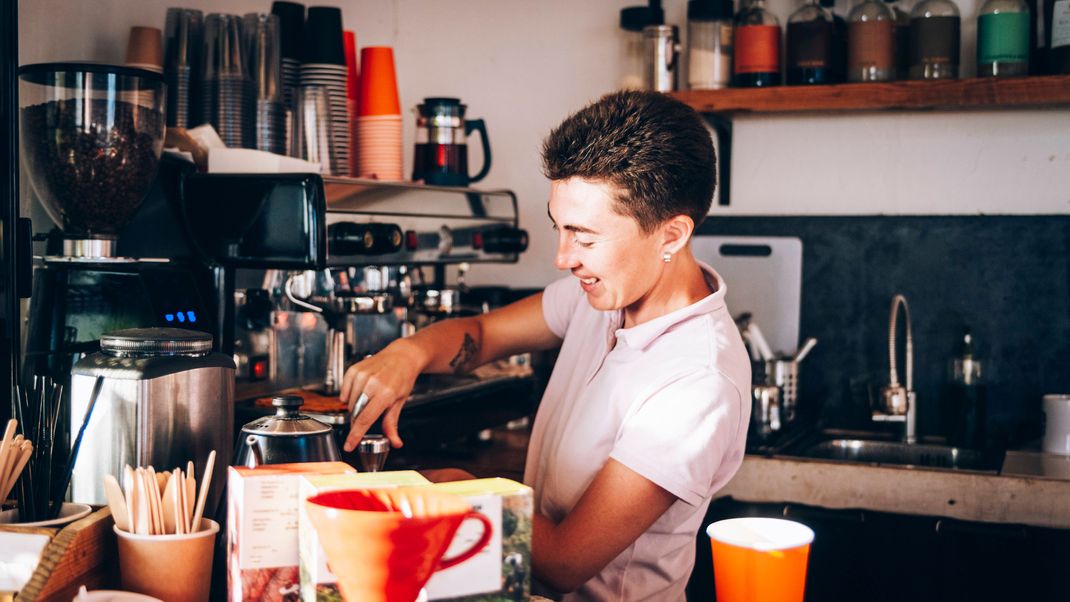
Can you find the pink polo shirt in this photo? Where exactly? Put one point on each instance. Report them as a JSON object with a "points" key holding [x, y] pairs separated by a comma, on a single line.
{"points": [[670, 400]]}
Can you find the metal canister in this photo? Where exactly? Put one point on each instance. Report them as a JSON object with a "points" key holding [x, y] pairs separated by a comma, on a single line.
{"points": [[164, 398], [766, 410], [661, 53], [784, 373]]}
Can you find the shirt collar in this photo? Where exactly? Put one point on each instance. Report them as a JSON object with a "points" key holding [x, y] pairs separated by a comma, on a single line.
{"points": [[638, 337]]}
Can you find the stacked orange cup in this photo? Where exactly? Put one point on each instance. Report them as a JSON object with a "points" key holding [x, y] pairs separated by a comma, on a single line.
{"points": [[378, 124]]}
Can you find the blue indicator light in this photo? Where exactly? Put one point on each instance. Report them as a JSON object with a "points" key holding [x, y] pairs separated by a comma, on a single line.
{"points": [[181, 317], [192, 317], [169, 317]]}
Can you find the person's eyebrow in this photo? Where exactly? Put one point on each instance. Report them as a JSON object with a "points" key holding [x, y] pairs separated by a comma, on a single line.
{"points": [[570, 228]]}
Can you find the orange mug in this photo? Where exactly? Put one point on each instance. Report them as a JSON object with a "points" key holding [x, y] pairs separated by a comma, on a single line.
{"points": [[759, 559], [384, 545]]}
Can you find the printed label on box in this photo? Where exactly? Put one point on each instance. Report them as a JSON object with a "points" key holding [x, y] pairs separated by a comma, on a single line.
{"points": [[482, 572]]}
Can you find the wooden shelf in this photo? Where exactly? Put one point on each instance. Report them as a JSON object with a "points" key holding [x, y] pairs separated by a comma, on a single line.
{"points": [[974, 93]]}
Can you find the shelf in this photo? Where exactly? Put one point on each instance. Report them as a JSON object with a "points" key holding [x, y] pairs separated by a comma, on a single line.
{"points": [[974, 93], [720, 106], [288, 221]]}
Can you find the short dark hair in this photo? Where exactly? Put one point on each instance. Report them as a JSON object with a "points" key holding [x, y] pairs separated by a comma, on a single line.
{"points": [[653, 148]]}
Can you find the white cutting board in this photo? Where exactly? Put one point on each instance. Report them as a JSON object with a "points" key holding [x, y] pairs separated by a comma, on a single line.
{"points": [[764, 277]]}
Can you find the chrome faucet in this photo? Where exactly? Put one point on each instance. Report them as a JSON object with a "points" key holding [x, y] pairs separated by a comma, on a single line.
{"points": [[898, 402]]}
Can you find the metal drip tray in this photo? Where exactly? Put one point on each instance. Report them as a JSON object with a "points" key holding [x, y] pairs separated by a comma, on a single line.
{"points": [[904, 454]]}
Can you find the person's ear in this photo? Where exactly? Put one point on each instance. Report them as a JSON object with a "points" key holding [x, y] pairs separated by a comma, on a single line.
{"points": [[676, 232]]}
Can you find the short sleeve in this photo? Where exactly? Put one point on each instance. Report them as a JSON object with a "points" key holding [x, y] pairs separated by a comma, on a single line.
{"points": [[559, 301], [679, 437]]}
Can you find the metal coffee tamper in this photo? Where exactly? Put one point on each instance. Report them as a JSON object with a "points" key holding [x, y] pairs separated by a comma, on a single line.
{"points": [[373, 450]]}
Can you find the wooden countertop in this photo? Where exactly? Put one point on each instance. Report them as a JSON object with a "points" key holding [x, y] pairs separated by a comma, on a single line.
{"points": [[1005, 498], [503, 455], [905, 490]]}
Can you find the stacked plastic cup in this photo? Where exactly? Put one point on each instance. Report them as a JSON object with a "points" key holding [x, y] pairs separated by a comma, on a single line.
{"points": [[261, 52], [325, 65], [291, 38], [226, 84], [311, 132], [184, 43], [352, 88], [378, 116]]}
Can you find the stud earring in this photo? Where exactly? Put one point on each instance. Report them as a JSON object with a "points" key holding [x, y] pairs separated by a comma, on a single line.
{"points": [[666, 257]]}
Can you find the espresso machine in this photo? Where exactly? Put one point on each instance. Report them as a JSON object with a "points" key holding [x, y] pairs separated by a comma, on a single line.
{"points": [[91, 137], [320, 271]]}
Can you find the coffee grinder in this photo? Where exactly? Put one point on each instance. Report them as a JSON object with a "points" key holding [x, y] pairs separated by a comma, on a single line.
{"points": [[91, 137]]}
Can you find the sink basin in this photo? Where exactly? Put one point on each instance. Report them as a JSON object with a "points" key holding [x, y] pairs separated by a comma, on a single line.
{"points": [[904, 454]]}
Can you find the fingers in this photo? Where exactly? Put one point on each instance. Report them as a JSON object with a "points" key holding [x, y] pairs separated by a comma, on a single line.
{"points": [[361, 421], [390, 424], [364, 420], [347, 383], [354, 437], [352, 383]]}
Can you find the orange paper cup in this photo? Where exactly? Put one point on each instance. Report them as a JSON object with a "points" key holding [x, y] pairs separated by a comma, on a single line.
{"points": [[145, 47], [349, 42], [759, 559], [378, 93]]}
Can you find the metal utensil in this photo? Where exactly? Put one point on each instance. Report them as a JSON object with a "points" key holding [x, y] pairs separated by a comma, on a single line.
{"points": [[758, 338], [765, 410], [373, 450], [804, 350], [784, 373]]}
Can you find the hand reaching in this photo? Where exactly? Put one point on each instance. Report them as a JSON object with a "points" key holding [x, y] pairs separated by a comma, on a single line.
{"points": [[380, 384]]}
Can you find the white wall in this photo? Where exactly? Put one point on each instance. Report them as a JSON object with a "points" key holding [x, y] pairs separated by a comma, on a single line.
{"points": [[523, 65]]}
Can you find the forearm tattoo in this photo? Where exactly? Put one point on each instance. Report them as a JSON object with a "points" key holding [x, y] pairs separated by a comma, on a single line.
{"points": [[465, 355]]}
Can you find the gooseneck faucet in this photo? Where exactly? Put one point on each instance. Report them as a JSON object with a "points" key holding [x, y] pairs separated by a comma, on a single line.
{"points": [[898, 402]]}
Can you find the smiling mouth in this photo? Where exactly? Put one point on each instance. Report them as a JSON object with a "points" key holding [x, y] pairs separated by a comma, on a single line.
{"points": [[589, 281]]}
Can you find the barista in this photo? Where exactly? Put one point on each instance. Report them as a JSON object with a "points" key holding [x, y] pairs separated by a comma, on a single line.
{"points": [[645, 415]]}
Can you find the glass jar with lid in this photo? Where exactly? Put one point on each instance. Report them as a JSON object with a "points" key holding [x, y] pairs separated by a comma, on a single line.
{"points": [[709, 44], [1003, 39], [934, 40], [756, 56], [871, 43], [811, 33]]}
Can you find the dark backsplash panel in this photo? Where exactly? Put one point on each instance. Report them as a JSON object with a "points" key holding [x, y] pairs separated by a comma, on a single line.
{"points": [[1006, 277]]}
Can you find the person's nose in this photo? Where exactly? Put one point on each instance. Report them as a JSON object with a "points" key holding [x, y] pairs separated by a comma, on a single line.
{"points": [[565, 258]]}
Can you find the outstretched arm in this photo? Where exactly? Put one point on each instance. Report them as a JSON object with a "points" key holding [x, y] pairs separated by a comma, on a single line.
{"points": [[450, 346]]}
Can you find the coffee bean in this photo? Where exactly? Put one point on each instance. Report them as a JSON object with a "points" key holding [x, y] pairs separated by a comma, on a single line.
{"points": [[91, 161]]}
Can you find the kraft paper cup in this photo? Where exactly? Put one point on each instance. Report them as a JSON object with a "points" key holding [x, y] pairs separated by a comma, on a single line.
{"points": [[378, 91], [760, 559], [176, 568], [145, 48]]}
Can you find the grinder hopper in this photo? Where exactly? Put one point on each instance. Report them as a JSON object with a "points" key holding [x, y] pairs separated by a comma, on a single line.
{"points": [[90, 140]]}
